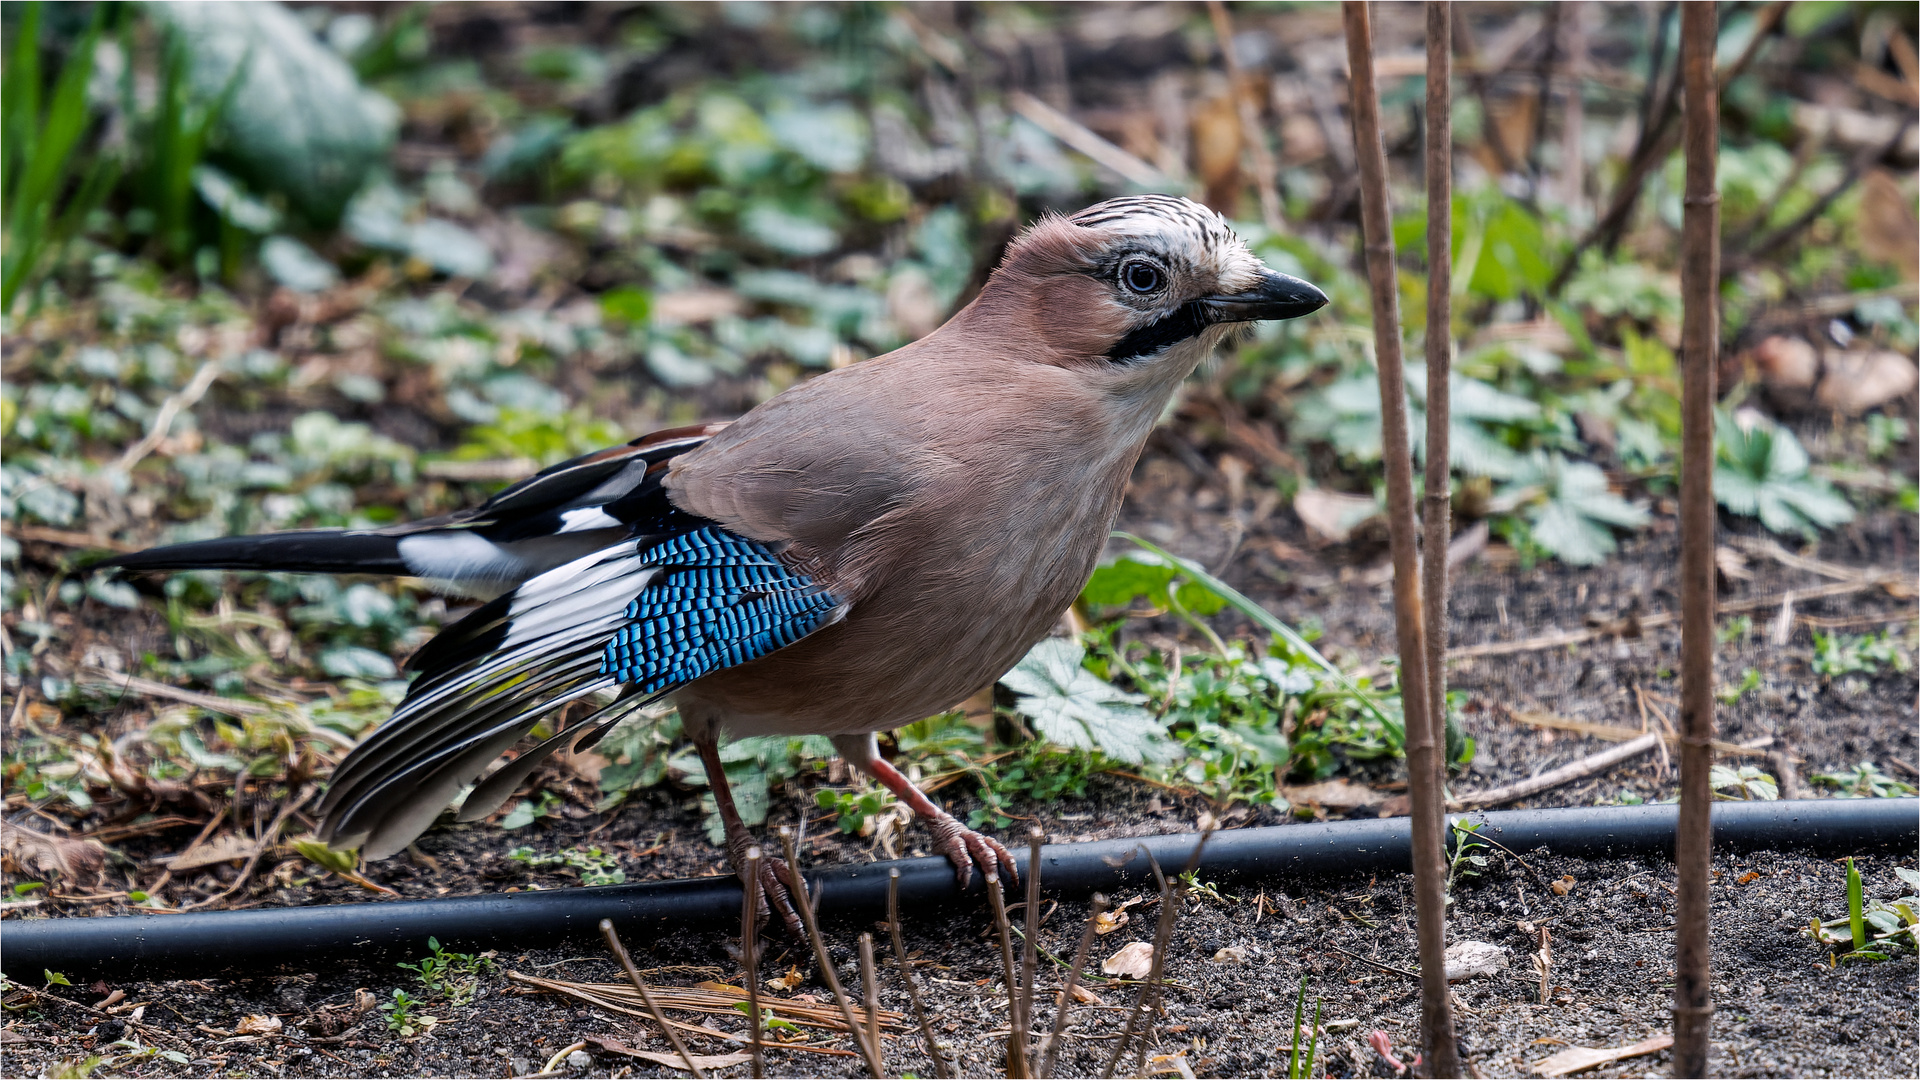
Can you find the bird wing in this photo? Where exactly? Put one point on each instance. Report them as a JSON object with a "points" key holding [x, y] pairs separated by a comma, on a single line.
{"points": [[635, 619]]}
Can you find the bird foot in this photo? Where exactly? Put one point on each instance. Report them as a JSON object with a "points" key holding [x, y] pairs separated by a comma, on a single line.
{"points": [[966, 849], [775, 893]]}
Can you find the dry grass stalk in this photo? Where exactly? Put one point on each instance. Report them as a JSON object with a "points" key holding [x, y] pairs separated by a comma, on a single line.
{"points": [[1438, 505], [1051, 1049], [1700, 337], [640, 986], [870, 989], [620, 998], [1266, 174], [1147, 999], [1016, 1054], [804, 905], [1029, 951], [750, 954], [1423, 767], [940, 1068]]}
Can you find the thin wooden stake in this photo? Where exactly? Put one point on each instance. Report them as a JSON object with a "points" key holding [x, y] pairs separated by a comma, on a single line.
{"points": [[1700, 339], [1436, 1018], [750, 954], [1052, 1049], [633, 973], [1438, 513], [804, 904], [870, 988], [1016, 1054], [906, 976], [1029, 949]]}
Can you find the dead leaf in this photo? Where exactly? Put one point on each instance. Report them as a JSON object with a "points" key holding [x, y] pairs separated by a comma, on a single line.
{"points": [[227, 847], [1085, 996], [1858, 381], [1133, 961], [1331, 516], [1470, 959], [669, 1060], [257, 1024], [688, 306], [1334, 795], [1888, 231], [364, 1000], [1749, 876], [35, 854], [724, 988], [788, 981], [1786, 363], [1563, 886], [1575, 1058], [1109, 921], [1161, 1064], [1232, 954]]}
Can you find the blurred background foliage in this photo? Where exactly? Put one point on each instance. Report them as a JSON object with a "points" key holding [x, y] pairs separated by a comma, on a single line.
{"points": [[272, 266]]}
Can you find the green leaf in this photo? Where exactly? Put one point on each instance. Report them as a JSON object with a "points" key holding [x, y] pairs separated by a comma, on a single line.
{"points": [[299, 122], [627, 304], [319, 854], [1761, 470], [352, 661], [1072, 707], [1572, 510], [54, 978], [1855, 923]]}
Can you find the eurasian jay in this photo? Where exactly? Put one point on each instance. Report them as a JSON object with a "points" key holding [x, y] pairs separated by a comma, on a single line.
{"points": [[862, 551]]}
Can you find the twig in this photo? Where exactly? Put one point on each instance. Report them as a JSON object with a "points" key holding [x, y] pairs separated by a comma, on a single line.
{"points": [[1439, 488], [67, 538], [1700, 340], [552, 1067], [640, 986], [870, 988], [1773, 241], [1424, 769], [1052, 1048], [1029, 962], [1266, 175], [812, 923], [1414, 975], [170, 408], [1079, 137], [261, 847], [1667, 618], [1553, 778], [940, 1068], [1162, 934], [1657, 141], [1016, 1055], [750, 952]]}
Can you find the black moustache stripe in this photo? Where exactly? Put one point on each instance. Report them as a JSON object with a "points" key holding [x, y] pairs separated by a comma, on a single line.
{"points": [[1155, 337]]}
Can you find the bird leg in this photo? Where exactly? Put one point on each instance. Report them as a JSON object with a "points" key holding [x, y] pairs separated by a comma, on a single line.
{"points": [[774, 893], [961, 845]]}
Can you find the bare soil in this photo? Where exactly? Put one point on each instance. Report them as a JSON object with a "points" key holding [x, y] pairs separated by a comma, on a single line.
{"points": [[1783, 1009]]}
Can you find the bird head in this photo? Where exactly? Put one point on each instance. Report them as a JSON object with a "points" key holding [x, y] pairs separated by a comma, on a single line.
{"points": [[1134, 293]]}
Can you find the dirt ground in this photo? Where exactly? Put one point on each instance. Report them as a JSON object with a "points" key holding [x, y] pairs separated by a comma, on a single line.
{"points": [[1782, 1009]]}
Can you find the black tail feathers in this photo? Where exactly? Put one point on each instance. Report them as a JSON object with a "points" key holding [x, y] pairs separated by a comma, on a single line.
{"points": [[312, 551]]}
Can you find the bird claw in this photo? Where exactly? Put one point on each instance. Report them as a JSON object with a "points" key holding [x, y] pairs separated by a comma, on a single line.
{"points": [[775, 893], [966, 849]]}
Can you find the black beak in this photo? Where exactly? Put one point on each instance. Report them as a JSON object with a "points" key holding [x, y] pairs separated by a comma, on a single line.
{"points": [[1278, 296]]}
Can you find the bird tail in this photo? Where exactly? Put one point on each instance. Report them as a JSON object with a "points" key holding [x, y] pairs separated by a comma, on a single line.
{"points": [[313, 551]]}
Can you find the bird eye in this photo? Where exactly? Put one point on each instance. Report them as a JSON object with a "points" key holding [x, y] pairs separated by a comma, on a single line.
{"points": [[1141, 277]]}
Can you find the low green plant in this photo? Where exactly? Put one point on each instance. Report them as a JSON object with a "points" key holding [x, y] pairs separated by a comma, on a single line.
{"points": [[452, 975], [1465, 863], [41, 151], [1863, 781], [1760, 470], [402, 1018], [544, 804], [1837, 654], [595, 867], [852, 809], [1873, 929], [1749, 680], [1745, 782], [1299, 1068]]}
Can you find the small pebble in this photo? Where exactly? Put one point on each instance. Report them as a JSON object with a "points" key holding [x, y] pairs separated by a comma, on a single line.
{"points": [[580, 1059]]}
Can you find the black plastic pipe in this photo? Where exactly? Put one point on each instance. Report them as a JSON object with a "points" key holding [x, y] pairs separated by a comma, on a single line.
{"points": [[150, 946]]}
